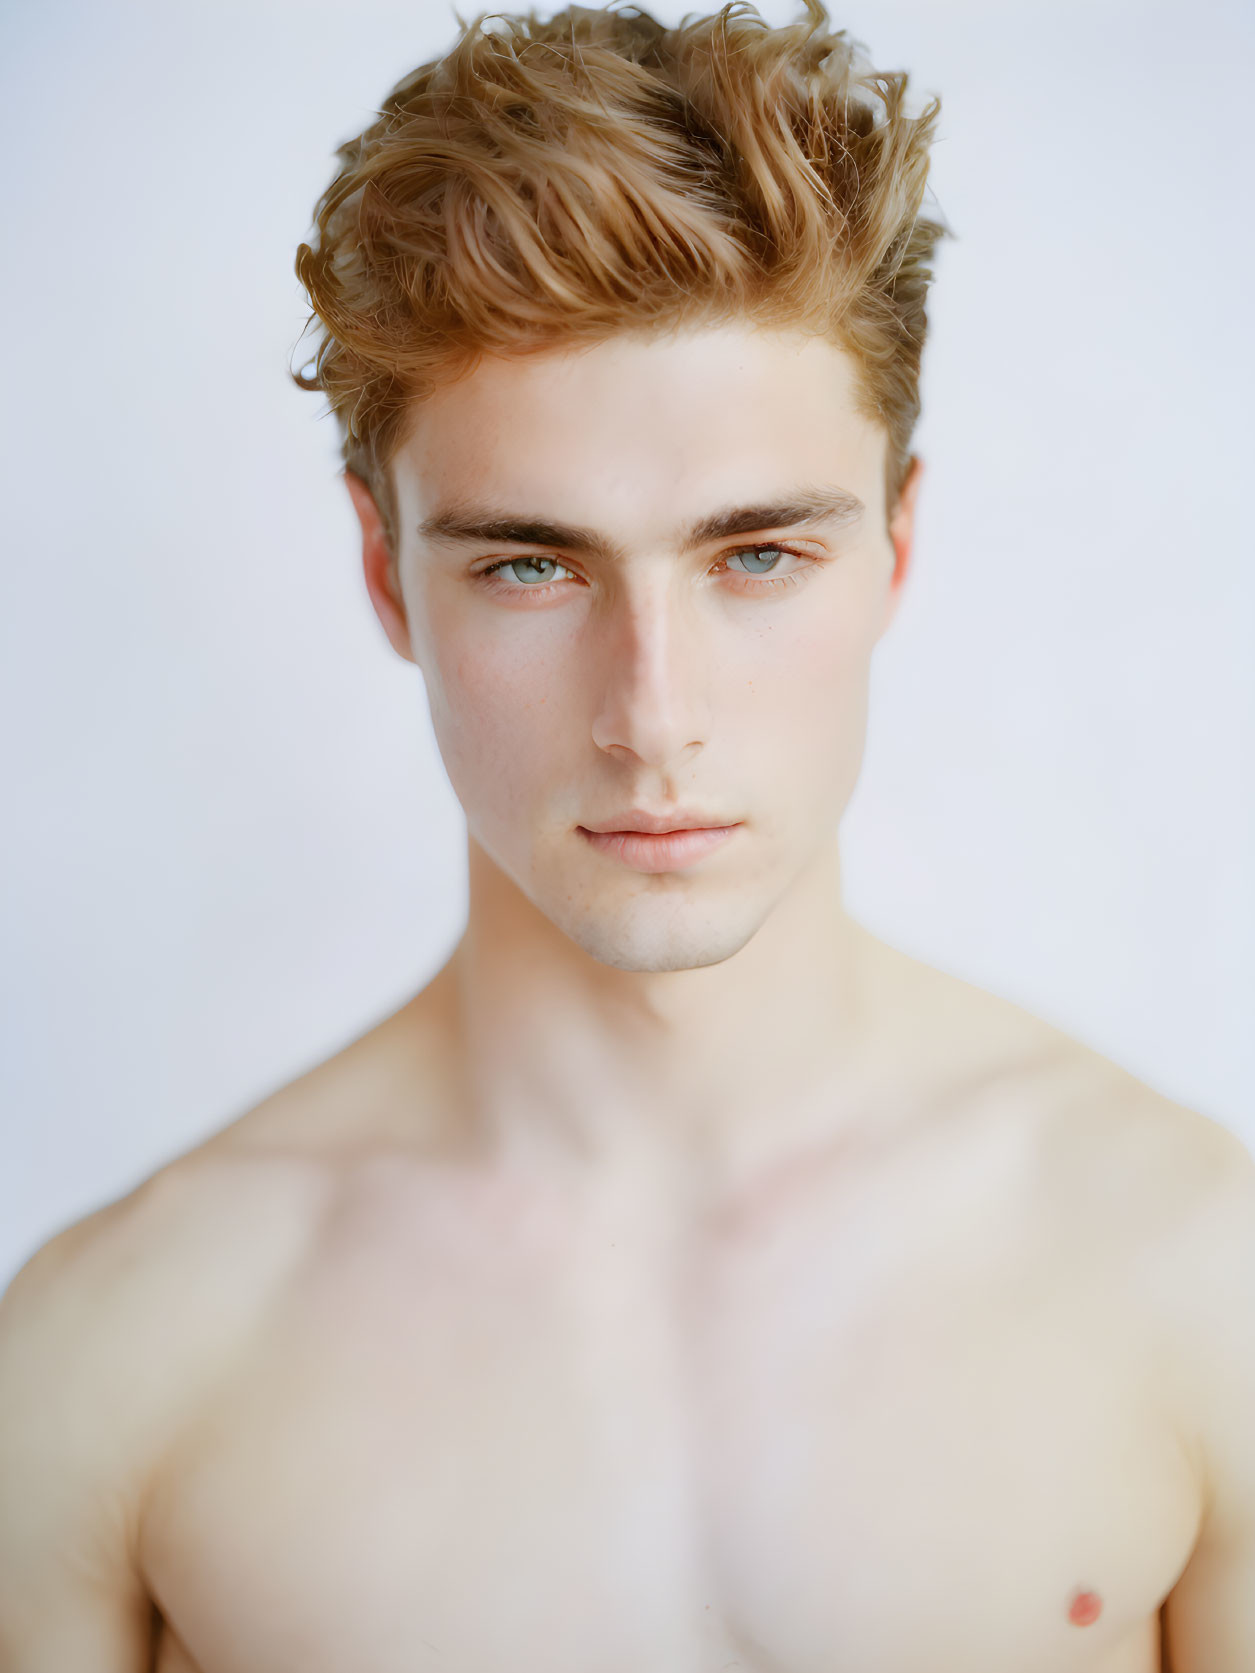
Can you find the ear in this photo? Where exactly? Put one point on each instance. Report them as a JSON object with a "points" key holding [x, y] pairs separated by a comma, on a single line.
{"points": [[380, 568], [902, 535]]}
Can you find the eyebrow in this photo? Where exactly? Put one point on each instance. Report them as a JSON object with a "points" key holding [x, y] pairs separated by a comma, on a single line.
{"points": [[803, 506]]}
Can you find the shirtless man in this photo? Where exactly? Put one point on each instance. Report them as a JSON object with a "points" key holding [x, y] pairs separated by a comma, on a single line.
{"points": [[684, 1279]]}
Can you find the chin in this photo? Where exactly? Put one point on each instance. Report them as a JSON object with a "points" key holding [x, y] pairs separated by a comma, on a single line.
{"points": [[668, 943]]}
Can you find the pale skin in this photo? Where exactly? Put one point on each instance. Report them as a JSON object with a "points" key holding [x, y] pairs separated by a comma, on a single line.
{"points": [[684, 1279]]}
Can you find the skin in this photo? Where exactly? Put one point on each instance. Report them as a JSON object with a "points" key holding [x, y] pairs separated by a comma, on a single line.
{"points": [[683, 1279], [654, 681]]}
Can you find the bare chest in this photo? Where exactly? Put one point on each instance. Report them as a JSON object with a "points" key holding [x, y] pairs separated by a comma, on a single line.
{"points": [[485, 1432]]}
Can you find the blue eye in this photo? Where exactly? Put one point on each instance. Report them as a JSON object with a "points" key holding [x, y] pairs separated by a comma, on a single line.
{"points": [[756, 552], [756, 582], [523, 563]]}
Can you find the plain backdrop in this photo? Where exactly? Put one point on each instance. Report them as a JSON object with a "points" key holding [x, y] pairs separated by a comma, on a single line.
{"points": [[229, 844]]}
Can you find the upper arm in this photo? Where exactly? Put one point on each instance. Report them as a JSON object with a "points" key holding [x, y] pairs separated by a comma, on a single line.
{"points": [[113, 1337], [1209, 1617], [70, 1592]]}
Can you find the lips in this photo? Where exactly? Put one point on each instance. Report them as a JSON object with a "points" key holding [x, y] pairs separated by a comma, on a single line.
{"points": [[659, 851], [659, 824]]}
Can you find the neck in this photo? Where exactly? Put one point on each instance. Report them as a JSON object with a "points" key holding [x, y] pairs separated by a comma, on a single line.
{"points": [[718, 1068]]}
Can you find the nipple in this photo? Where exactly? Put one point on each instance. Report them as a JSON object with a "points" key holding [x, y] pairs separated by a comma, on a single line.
{"points": [[1086, 1607]]}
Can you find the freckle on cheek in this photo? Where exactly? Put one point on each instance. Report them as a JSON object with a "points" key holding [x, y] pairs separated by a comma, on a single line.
{"points": [[1086, 1607]]}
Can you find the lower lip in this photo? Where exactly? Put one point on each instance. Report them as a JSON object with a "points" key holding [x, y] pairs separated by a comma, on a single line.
{"points": [[667, 851]]}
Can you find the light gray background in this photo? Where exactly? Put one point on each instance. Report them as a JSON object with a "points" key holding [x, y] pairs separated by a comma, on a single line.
{"points": [[231, 846]]}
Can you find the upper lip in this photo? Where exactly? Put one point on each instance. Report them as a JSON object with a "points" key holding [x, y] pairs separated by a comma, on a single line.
{"points": [[638, 819]]}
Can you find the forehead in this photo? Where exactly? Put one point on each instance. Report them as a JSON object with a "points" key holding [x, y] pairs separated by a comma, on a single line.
{"points": [[637, 425]]}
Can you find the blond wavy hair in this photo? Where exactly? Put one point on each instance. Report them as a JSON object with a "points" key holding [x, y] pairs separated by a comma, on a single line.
{"points": [[561, 182]]}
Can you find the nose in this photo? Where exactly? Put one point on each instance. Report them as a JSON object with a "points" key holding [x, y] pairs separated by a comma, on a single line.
{"points": [[652, 672]]}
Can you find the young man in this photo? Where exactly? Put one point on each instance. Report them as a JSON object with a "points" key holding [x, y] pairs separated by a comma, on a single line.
{"points": [[684, 1279]]}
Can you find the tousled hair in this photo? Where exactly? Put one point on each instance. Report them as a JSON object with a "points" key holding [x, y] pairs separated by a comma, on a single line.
{"points": [[564, 181]]}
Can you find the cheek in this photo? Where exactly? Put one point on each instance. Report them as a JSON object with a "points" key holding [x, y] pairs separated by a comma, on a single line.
{"points": [[496, 712], [804, 719], [813, 663]]}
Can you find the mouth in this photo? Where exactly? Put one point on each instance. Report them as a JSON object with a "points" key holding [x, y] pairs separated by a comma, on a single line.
{"points": [[659, 851]]}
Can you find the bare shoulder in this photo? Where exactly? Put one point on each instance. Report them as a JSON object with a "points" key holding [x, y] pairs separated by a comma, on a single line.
{"points": [[1095, 1127], [209, 1227], [179, 1263], [124, 1315], [1161, 1197], [1196, 1265], [1113, 1162], [1117, 1143], [152, 1288], [108, 1334], [1200, 1258]]}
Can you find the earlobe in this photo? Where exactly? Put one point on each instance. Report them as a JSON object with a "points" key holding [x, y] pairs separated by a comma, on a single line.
{"points": [[379, 567]]}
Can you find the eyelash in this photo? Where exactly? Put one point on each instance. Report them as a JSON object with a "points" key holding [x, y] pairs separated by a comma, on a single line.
{"points": [[756, 583]]}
